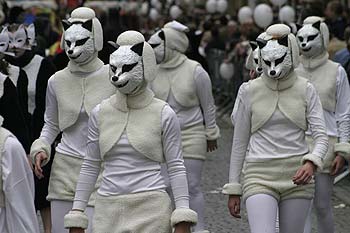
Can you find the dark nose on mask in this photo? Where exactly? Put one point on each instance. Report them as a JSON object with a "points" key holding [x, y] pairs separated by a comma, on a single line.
{"points": [[114, 78], [70, 51], [272, 72], [303, 44]]}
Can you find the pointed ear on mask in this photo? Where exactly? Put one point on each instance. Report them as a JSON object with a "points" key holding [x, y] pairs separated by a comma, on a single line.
{"points": [[4, 30], [87, 25], [138, 48], [317, 25], [253, 44], [161, 35], [299, 26], [113, 44], [66, 24], [283, 41], [261, 43]]}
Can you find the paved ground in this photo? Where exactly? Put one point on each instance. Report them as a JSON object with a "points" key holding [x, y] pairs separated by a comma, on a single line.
{"points": [[216, 174]]}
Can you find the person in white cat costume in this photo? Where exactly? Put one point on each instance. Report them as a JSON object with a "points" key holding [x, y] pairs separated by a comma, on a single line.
{"points": [[17, 211], [273, 112], [331, 83], [186, 86], [132, 133], [72, 93]]}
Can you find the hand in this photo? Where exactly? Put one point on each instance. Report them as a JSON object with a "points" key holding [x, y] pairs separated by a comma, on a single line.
{"points": [[234, 205], [183, 227], [212, 145], [337, 165], [76, 230], [304, 174], [253, 74], [39, 158]]}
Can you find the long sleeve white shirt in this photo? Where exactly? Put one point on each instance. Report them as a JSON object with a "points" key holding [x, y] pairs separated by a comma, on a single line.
{"points": [[19, 214], [278, 137], [127, 171]]}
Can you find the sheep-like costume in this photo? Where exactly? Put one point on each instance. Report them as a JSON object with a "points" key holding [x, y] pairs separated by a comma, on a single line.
{"points": [[272, 115], [331, 82], [17, 211], [186, 87], [132, 133], [72, 93]]}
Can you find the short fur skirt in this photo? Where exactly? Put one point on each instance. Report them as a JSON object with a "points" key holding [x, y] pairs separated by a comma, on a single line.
{"points": [[135, 213], [274, 177], [194, 142]]}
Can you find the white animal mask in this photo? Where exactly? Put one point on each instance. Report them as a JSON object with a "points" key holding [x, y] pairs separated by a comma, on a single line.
{"points": [[79, 45], [126, 68], [276, 57], [256, 60], [19, 39], [4, 42], [310, 40], [31, 34], [157, 41]]}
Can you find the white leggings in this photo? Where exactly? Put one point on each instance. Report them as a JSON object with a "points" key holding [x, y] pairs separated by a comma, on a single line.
{"points": [[59, 209], [323, 204], [262, 213]]}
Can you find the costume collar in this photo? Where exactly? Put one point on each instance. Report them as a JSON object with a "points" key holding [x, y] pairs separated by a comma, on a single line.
{"points": [[280, 84], [21, 61], [314, 62], [172, 59], [91, 66], [137, 101]]}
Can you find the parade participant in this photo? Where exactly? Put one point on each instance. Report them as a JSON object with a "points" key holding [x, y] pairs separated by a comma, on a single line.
{"points": [[71, 95], [273, 113], [10, 107], [132, 133], [31, 88], [253, 62], [186, 86], [17, 212], [331, 82]]}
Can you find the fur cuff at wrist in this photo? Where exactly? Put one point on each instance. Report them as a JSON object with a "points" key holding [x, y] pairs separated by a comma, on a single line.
{"points": [[212, 133], [40, 145], [343, 148], [232, 189], [183, 215], [76, 219], [318, 161]]}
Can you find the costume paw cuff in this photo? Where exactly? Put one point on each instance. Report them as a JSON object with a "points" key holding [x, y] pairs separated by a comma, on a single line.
{"points": [[183, 215], [318, 161], [232, 189], [212, 133], [40, 145], [76, 219], [343, 148]]}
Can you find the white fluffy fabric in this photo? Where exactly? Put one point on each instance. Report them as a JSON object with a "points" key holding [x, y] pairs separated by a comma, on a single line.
{"points": [[183, 215], [40, 145], [232, 189], [175, 37], [77, 219], [4, 134], [212, 133], [343, 148], [318, 161]]}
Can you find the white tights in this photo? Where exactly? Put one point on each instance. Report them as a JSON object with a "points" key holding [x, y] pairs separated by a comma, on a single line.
{"points": [[59, 209], [323, 204], [262, 213]]}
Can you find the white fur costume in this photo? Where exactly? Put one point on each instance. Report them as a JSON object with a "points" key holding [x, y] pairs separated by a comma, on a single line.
{"points": [[72, 93], [331, 82], [186, 87], [17, 211], [271, 117], [142, 133]]}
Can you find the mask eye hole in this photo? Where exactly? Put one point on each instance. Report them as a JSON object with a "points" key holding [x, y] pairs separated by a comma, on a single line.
{"points": [[256, 60], [268, 63], [128, 67], [19, 40], [68, 43], [113, 68], [300, 38], [2, 44], [312, 37], [280, 60], [81, 42], [154, 45]]}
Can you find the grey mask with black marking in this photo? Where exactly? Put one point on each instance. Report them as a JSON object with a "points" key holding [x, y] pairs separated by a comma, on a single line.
{"points": [[310, 40], [157, 41]]}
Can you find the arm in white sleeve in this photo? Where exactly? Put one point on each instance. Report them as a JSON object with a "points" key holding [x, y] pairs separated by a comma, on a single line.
{"points": [[171, 140], [242, 127], [91, 166], [50, 129], [206, 100], [316, 122], [342, 113], [18, 187]]}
